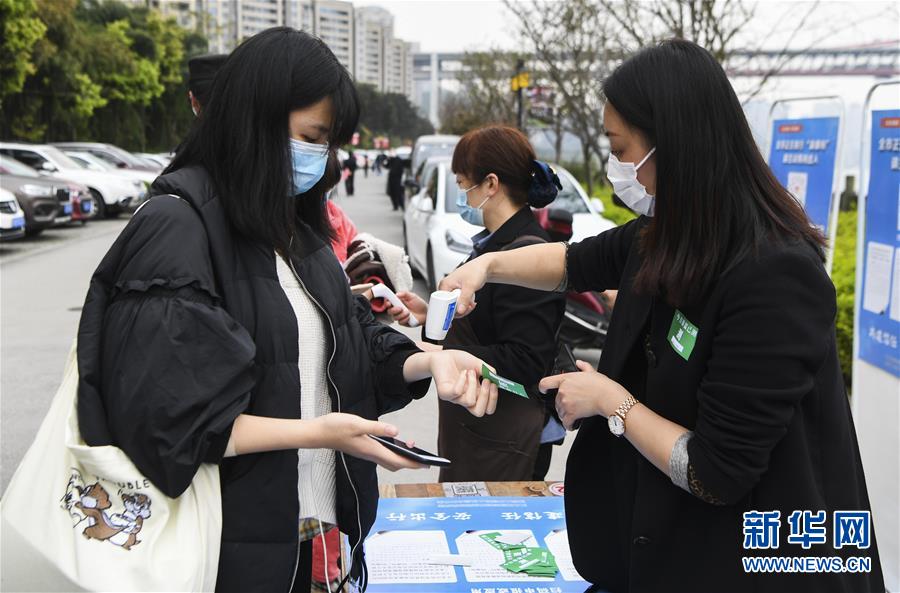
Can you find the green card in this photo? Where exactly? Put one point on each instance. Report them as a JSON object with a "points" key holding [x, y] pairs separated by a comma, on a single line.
{"points": [[682, 335], [533, 561], [504, 384], [491, 538], [515, 553]]}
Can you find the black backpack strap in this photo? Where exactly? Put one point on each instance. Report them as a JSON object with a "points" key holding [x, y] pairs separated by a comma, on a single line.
{"points": [[524, 241]]}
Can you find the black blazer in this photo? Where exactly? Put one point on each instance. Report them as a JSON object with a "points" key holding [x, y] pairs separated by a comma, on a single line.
{"points": [[763, 394], [513, 329]]}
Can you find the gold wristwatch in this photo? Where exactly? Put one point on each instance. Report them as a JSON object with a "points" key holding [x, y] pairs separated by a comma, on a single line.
{"points": [[617, 419]]}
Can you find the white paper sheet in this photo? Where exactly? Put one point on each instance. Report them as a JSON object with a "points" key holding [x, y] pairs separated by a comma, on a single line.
{"points": [[877, 282], [895, 289], [396, 557], [557, 542], [449, 559], [797, 181]]}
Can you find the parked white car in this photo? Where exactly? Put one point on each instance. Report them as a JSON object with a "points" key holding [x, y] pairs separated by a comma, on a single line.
{"points": [[430, 146], [112, 194], [12, 217], [437, 239], [117, 157], [162, 160], [89, 161]]}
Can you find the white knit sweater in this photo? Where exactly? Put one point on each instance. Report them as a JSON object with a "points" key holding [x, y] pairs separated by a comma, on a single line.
{"points": [[315, 467]]}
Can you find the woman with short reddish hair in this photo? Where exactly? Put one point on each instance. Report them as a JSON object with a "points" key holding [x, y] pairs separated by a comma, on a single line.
{"points": [[514, 329]]}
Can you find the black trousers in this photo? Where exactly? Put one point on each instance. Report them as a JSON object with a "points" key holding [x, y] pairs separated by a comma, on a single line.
{"points": [[397, 199], [349, 184], [303, 580]]}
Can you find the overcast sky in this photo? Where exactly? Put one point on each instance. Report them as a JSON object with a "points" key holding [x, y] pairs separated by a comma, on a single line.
{"points": [[470, 25], [460, 25]]}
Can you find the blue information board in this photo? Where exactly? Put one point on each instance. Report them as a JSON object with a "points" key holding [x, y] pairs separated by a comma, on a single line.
{"points": [[879, 310], [802, 157], [412, 536]]}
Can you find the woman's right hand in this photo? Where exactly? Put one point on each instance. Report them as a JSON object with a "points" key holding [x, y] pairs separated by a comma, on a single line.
{"points": [[349, 434], [468, 278], [415, 305]]}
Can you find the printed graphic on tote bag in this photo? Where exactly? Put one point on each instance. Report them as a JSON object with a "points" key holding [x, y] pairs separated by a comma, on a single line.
{"points": [[90, 504]]}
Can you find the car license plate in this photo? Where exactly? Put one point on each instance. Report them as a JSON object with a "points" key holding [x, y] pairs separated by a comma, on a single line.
{"points": [[67, 208], [18, 222]]}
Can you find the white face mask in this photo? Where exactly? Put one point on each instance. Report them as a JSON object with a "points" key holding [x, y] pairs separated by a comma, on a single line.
{"points": [[623, 177]]}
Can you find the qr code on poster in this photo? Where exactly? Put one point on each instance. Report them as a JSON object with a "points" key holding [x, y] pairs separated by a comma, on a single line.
{"points": [[465, 489]]}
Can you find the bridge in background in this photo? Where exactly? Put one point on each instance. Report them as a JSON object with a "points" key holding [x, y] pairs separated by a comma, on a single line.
{"points": [[877, 59]]}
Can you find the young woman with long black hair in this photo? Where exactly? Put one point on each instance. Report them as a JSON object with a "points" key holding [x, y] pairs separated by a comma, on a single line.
{"points": [[220, 326], [719, 391]]}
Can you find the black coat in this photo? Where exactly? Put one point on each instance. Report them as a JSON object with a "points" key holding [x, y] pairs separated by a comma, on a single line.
{"points": [[763, 393], [186, 326], [513, 329]]}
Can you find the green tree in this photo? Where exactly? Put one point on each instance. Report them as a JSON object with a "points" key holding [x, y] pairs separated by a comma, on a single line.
{"points": [[484, 96], [389, 114], [21, 30], [843, 274], [104, 71], [58, 98]]}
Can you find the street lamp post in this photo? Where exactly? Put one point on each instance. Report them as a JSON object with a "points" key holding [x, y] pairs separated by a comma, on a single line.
{"points": [[519, 83]]}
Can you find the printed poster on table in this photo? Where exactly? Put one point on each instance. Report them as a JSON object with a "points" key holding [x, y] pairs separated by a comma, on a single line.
{"points": [[803, 158], [413, 539], [879, 311]]}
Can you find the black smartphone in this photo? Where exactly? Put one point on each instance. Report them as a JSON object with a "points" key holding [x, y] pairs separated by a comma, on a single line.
{"points": [[414, 453]]}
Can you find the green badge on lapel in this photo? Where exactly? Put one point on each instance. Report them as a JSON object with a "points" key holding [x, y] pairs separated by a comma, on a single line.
{"points": [[682, 335]]}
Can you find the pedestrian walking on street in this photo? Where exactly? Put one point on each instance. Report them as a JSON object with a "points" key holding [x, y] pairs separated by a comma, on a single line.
{"points": [[350, 168], [396, 167], [366, 166], [220, 327]]}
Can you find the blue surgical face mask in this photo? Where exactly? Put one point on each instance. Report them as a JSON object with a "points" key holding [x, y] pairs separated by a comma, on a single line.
{"points": [[468, 213], [308, 162]]}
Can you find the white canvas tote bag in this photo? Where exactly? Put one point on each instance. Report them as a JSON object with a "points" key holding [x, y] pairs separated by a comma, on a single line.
{"points": [[80, 518]]}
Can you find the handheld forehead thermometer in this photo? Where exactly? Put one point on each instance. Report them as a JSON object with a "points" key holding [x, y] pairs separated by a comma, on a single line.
{"points": [[383, 292], [441, 308]]}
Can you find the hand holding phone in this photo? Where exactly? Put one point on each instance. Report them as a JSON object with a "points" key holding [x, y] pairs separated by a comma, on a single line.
{"points": [[382, 291], [414, 453]]}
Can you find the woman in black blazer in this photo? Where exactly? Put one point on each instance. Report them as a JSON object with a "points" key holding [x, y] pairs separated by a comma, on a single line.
{"points": [[496, 181], [718, 408]]}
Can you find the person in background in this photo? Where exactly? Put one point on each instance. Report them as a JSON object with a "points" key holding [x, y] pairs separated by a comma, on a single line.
{"points": [[366, 165], [377, 165], [350, 167], [343, 229], [201, 74], [396, 167], [514, 329], [717, 425], [214, 328]]}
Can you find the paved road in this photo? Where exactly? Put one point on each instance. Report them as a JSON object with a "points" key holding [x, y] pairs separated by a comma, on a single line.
{"points": [[43, 282]]}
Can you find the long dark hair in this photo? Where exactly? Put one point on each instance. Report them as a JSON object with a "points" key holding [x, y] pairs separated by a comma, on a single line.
{"points": [[242, 137], [716, 199]]}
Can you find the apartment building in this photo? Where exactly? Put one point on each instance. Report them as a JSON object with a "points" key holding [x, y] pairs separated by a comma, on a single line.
{"points": [[362, 38]]}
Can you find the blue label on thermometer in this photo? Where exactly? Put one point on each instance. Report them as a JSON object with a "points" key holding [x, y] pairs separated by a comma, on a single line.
{"points": [[449, 318]]}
